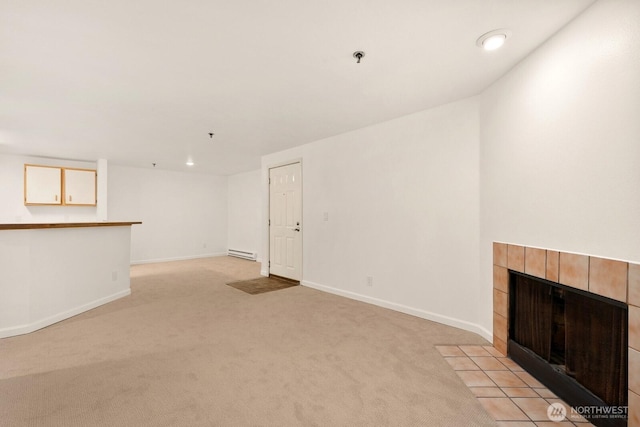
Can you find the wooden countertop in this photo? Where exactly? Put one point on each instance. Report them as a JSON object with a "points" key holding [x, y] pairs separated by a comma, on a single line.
{"points": [[65, 225]]}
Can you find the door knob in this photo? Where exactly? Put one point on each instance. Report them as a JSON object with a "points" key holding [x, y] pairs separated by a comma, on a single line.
{"points": [[296, 229]]}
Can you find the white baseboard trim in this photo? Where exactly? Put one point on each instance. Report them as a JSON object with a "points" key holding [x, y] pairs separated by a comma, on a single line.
{"points": [[446, 320], [180, 258], [41, 323], [264, 273]]}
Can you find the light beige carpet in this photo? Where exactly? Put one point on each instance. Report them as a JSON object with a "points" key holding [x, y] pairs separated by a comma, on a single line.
{"points": [[186, 350]]}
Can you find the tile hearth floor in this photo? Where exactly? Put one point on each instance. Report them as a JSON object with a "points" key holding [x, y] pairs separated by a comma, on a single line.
{"points": [[509, 394]]}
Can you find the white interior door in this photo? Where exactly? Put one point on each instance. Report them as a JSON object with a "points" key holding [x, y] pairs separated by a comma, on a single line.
{"points": [[285, 221]]}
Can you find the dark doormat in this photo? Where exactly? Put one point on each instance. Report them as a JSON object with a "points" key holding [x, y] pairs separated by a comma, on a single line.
{"points": [[263, 284]]}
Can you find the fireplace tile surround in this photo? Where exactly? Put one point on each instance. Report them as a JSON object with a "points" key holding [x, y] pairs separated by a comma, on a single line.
{"points": [[618, 280]]}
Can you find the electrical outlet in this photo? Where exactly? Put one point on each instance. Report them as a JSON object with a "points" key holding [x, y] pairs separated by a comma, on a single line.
{"points": [[204, 245], [114, 276], [369, 281], [325, 216]]}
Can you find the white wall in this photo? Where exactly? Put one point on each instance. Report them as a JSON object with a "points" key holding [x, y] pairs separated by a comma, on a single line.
{"points": [[244, 213], [184, 215], [560, 143], [12, 208], [403, 203], [52, 274]]}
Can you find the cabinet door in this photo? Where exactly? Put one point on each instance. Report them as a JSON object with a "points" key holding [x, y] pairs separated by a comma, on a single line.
{"points": [[80, 187], [42, 185]]}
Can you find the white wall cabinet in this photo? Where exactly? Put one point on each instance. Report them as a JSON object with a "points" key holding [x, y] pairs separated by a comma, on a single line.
{"points": [[42, 185], [51, 185], [79, 187]]}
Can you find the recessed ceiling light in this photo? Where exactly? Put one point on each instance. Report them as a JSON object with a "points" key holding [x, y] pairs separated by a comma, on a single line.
{"points": [[190, 163], [493, 39]]}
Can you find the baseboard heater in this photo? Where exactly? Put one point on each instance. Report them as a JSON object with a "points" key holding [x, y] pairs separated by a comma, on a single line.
{"points": [[242, 254]]}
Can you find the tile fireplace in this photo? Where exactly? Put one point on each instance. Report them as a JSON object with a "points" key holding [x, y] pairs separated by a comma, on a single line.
{"points": [[589, 276]]}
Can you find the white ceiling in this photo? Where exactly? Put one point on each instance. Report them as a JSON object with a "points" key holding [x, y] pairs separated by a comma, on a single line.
{"points": [[142, 81]]}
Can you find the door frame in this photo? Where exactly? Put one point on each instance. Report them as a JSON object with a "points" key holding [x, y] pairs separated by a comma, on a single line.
{"points": [[266, 271]]}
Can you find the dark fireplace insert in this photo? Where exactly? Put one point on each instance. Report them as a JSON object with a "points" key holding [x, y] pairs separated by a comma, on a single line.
{"points": [[573, 342]]}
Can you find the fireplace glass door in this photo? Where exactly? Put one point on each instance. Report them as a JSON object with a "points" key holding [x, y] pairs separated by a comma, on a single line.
{"points": [[578, 335], [596, 351]]}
